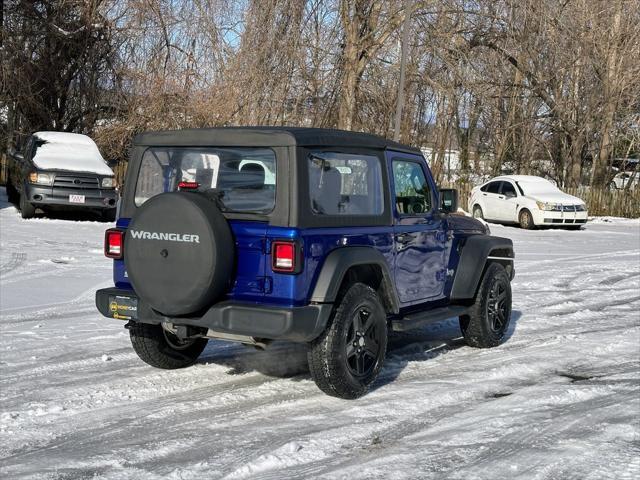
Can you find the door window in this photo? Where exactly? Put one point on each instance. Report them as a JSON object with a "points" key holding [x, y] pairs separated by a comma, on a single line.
{"points": [[508, 190], [412, 191], [27, 148], [492, 187]]}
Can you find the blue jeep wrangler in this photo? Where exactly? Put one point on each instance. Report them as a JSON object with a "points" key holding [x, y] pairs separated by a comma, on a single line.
{"points": [[325, 237]]}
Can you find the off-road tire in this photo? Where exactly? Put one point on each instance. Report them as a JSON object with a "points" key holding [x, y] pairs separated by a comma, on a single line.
{"points": [[525, 219], [331, 356], [477, 212], [478, 328], [27, 210], [108, 215], [151, 345]]}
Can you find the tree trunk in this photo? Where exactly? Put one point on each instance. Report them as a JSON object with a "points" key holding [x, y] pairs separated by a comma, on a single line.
{"points": [[348, 88]]}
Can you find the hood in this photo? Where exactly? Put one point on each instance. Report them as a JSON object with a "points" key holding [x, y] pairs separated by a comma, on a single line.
{"points": [[467, 224], [556, 197]]}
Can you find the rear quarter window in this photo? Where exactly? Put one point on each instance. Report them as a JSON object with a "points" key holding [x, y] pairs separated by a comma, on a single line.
{"points": [[345, 184]]}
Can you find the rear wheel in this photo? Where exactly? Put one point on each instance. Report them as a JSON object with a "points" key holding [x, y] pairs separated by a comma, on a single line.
{"points": [[526, 220], [27, 210], [477, 212], [162, 349], [348, 356], [488, 319]]}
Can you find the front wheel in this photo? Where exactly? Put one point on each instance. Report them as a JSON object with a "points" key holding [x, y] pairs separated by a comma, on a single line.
{"points": [[488, 319], [162, 349], [27, 210], [477, 212], [348, 356], [526, 220], [12, 194]]}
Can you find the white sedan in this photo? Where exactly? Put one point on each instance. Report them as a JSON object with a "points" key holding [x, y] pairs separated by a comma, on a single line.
{"points": [[526, 200]]}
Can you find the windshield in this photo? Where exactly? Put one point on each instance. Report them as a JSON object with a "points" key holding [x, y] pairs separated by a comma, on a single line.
{"points": [[538, 186], [245, 178]]}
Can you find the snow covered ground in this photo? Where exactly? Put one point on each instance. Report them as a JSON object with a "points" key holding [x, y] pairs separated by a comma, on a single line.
{"points": [[559, 400]]}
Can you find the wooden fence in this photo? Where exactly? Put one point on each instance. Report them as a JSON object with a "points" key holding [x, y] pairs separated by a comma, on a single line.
{"points": [[615, 203], [3, 169], [120, 169]]}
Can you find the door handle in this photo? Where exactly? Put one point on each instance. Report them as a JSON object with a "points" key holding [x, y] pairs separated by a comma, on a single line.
{"points": [[404, 238], [484, 194], [500, 197]]}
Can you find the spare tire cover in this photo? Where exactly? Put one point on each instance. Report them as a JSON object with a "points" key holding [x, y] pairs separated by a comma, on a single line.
{"points": [[179, 253]]}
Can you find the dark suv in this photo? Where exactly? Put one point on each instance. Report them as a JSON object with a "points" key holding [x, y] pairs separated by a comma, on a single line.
{"points": [[61, 171], [325, 237]]}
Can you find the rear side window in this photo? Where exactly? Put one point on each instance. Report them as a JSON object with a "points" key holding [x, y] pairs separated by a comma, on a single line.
{"points": [[245, 178], [345, 184], [492, 187]]}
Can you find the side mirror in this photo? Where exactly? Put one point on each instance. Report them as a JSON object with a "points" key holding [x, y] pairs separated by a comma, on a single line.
{"points": [[448, 200]]}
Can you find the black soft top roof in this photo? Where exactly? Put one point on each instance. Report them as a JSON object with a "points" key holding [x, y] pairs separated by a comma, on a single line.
{"points": [[267, 137]]}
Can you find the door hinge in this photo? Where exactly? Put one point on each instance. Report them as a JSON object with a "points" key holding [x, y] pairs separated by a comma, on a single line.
{"points": [[441, 276], [266, 245], [265, 284]]}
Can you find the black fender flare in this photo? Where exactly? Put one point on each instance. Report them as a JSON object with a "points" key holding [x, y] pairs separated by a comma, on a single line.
{"points": [[336, 265], [476, 252]]}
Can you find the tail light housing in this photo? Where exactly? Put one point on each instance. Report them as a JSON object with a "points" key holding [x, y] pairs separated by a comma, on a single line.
{"points": [[188, 186], [114, 243], [285, 256]]}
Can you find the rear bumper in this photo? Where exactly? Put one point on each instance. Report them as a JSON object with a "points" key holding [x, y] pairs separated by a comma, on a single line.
{"points": [[296, 324], [96, 199]]}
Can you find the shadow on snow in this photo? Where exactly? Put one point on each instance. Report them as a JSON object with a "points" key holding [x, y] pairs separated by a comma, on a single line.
{"points": [[289, 360]]}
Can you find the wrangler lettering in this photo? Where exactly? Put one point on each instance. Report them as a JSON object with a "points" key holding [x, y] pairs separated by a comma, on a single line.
{"points": [[167, 236]]}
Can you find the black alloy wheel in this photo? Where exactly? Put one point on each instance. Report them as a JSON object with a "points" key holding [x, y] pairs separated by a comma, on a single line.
{"points": [[364, 338], [497, 310]]}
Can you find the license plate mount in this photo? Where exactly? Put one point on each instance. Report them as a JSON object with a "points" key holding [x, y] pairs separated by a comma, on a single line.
{"points": [[123, 308]]}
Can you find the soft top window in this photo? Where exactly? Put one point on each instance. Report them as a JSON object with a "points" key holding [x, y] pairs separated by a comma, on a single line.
{"points": [[345, 184], [244, 178]]}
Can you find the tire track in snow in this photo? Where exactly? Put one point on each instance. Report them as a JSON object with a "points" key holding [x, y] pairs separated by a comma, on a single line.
{"points": [[17, 259]]}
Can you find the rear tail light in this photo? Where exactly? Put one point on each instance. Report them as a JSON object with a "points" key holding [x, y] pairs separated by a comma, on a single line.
{"points": [[284, 257], [114, 243]]}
